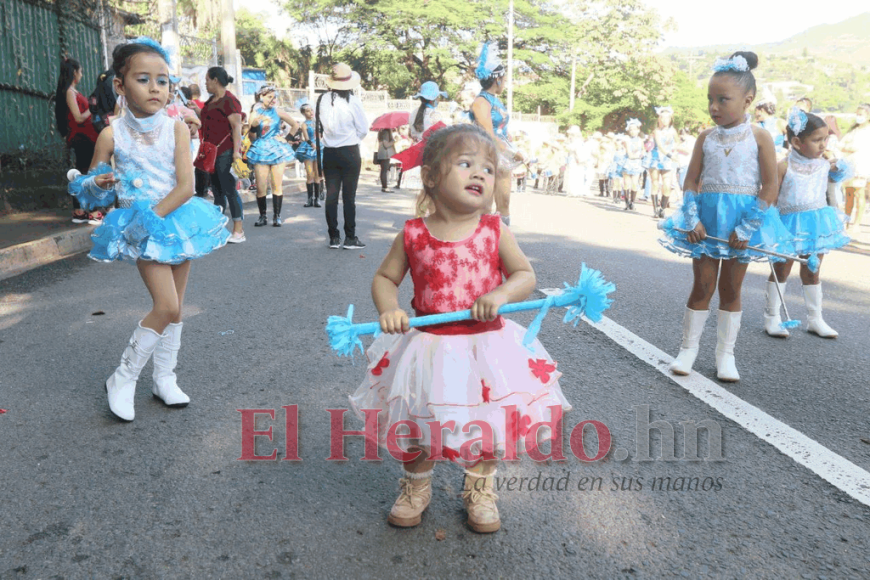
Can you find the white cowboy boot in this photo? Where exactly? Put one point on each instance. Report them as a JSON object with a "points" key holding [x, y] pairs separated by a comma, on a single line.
{"points": [[416, 494], [772, 318], [693, 327], [728, 325], [815, 322], [165, 358], [121, 386]]}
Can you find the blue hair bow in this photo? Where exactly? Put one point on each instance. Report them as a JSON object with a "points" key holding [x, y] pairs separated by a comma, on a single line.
{"points": [[155, 45], [797, 120], [738, 63]]}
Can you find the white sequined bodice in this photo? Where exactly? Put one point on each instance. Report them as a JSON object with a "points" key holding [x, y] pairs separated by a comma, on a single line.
{"points": [[804, 186], [144, 158], [731, 161]]}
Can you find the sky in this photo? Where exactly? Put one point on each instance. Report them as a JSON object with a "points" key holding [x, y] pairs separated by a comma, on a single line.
{"points": [[758, 21]]}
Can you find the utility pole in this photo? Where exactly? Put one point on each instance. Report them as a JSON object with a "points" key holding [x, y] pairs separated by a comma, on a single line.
{"points": [[228, 43], [692, 58], [169, 32], [573, 79], [510, 70]]}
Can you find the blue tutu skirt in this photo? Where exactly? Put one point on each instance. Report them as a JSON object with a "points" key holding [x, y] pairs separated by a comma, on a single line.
{"points": [[306, 152], [721, 213], [270, 151], [195, 229], [660, 162], [817, 231], [632, 167]]}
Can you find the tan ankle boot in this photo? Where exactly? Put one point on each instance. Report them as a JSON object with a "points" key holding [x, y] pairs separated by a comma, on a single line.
{"points": [[416, 494], [479, 502]]}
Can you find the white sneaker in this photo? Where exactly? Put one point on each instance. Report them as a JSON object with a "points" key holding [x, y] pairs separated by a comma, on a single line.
{"points": [[236, 238]]}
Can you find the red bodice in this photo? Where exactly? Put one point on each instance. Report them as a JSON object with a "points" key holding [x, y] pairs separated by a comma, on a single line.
{"points": [[450, 276]]}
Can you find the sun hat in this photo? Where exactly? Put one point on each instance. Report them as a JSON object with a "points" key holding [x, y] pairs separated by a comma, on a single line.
{"points": [[342, 78], [430, 91]]}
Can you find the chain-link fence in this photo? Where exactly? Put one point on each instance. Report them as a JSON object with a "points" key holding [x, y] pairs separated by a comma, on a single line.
{"points": [[197, 51]]}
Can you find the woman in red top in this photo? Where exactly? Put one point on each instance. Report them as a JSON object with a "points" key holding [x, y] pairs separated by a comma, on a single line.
{"points": [[74, 122], [221, 118]]}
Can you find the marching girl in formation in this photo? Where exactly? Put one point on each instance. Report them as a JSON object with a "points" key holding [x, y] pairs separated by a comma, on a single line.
{"points": [[616, 169], [765, 114], [633, 166], [856, 146], [730, 191], [817, 227], [457, 372], [662, 161], [270, 153], [158, 225], [307, 153]]}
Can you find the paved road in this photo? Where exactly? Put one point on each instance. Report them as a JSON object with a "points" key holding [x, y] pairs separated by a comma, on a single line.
{"points": [[85, 496]]}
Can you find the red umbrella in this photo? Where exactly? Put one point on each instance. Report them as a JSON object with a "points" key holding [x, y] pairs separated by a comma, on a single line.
{"points": [[413, 155], [390, 120]]}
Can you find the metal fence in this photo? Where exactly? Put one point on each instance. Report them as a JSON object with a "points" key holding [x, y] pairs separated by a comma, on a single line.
{"points": [[198, 51], [33, 37]]}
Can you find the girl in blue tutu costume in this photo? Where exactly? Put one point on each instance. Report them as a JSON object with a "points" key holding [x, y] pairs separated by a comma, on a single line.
{"points": [[460, 257], [270, 153], [159, 225], [817, 227], [307, 153], [662, 163], [632, 168], [733, 171]]}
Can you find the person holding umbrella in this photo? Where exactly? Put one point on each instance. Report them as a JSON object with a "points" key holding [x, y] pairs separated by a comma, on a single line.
{"points": [[421, 119], [340, 115]]}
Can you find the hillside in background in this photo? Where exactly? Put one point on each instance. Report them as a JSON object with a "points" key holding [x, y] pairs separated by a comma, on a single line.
{"points": [[829, 63], [847, 41]]}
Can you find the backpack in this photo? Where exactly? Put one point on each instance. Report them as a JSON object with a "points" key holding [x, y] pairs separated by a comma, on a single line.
{"points": [[102, 100]]}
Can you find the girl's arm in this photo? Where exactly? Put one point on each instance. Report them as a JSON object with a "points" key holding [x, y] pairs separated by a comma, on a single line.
{"points": [[781, 168], [660, 144], [183, 189], [385, 288], [767, 164], [519, 284], [236, 125], [285, 116], [103, 151], [73, 107], [691, 185]]}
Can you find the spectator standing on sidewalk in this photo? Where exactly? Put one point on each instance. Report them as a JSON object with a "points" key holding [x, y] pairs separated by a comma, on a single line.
{"points": [[386, 149], [222, 127], [73, 116], [339, 113]]}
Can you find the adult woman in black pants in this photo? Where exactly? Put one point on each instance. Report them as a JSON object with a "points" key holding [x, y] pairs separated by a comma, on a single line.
{"points": [[222, 126], [343, 122]]}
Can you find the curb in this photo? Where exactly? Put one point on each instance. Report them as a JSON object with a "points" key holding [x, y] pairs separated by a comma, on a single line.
{"points": [[16, 260]]}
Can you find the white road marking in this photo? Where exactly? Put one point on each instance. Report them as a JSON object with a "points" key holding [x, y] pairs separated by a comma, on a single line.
{"points": [[836, 470]]}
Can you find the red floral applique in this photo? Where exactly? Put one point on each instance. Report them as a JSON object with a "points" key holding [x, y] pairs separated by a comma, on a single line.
{"points": [[541, 369], [382, 364], [484, 391], [2, 411], [518, 425]]}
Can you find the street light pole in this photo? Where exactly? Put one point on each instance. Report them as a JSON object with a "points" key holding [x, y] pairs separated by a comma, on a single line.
{"points": [[228, 43], [510, 70]]}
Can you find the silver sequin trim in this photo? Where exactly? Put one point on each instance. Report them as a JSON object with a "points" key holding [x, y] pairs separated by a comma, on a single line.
{"points": [[724, 188], [784, 210], [125, 202]]}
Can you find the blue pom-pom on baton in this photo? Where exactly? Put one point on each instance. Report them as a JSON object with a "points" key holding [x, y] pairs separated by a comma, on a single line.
{"points": [[813, 263], [789, 324]]}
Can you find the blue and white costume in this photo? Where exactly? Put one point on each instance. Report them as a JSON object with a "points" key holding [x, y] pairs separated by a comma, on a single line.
{"points": [[633, 164], [817, 227], [145, 170], [306, 151], [770, 125], [658, 159], [728, 202], [269, 149]]}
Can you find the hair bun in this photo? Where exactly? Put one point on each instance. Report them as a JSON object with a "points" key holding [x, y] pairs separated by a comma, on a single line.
{"points": [[231, 79], [751, 58]]}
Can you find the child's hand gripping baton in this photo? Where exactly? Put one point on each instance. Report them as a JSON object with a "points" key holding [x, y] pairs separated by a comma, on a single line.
{"points": [[588, 298]]}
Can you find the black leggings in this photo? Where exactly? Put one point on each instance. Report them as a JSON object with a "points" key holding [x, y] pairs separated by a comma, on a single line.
{"points": [[224, 185], [385, 171], [84, 151], [341, 167], [201, 180]]}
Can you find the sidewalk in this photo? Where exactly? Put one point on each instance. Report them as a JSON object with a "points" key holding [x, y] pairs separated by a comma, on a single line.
{"points": [[30, 239]]}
